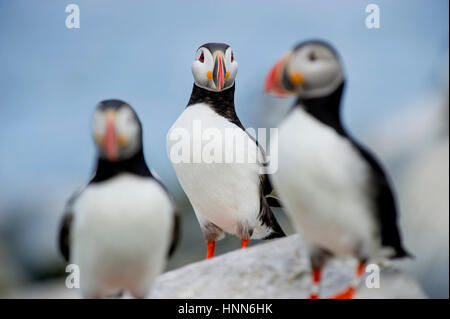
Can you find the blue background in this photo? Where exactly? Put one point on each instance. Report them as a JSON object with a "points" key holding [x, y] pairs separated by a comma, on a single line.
{"points": [[52, 77]]}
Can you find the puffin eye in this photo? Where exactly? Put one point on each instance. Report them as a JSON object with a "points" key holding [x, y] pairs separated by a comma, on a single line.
{"points": [[232, 57], [312, 56], [202, 58]]}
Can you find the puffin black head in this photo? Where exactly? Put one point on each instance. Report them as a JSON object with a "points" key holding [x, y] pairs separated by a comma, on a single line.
{"points": [[214, 67], [117, 130], [312, 69]]}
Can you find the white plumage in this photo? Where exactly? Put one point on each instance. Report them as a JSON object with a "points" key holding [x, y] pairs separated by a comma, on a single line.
{"points": [[226, 194], [121, 234], [324, 184]]}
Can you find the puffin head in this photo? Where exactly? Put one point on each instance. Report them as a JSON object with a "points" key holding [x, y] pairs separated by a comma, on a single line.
{"points": [[117, 130], [312, 69], [214, 67]]}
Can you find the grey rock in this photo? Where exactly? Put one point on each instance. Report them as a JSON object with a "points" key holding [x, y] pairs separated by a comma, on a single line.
{"points": [[275, 269]]}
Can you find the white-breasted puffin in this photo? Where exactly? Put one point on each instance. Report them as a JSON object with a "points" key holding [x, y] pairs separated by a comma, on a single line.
{"points": [[226, 196], [334, 190], [120, 228]]}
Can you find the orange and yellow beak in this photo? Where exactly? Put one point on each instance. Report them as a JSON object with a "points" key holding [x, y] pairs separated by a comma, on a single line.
{"points": [[111, 145], [279, 81], [110, 141], [219, 74]]}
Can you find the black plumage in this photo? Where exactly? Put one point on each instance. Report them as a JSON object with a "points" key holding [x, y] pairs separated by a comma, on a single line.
{"points": [[212, 47]]}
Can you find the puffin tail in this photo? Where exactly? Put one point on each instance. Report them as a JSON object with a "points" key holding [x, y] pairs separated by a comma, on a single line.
{"points": [[401, 252], [277, 231]]}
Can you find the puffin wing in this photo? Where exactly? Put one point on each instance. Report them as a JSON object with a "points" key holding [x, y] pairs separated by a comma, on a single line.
{"points": [[267, 189], [64, 235], [386, 210], [267, 197], [176, 216], [66, 225], [269, 192], [175, 233]]}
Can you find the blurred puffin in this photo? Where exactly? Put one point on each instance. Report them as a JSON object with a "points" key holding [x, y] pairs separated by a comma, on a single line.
{"points": [[334, 190], [226, 196], [120, 228]]}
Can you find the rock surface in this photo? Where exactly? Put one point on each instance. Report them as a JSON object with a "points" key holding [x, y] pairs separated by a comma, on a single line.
{"points": [[276, 269]]}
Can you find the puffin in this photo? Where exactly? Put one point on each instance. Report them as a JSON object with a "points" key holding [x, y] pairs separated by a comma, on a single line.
{"points": [[333, 188], [229, 191], [122, 226]]}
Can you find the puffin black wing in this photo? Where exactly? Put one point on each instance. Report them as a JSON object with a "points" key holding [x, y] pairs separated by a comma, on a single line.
{"points": [[266, 215], [267, 194], [266, 186], [176, 216], [66, 225], [270, 193], [64, 235], [175, 234], [385, 207]]}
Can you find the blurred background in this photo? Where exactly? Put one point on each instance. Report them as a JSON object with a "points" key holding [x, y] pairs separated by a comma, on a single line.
{"points": [[396, 102]]}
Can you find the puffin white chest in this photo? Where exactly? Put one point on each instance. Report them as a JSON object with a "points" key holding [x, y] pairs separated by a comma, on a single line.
{"points": [[323, 181], [223, 189], [121, 231]]}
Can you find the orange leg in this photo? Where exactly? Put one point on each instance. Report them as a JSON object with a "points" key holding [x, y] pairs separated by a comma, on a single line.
{"points": [[360, 270], [316, 273], [210, 252], [349, 293], [245, 242]]}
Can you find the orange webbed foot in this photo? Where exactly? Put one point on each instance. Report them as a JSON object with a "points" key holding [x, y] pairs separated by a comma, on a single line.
{"points": [[348, 293]]}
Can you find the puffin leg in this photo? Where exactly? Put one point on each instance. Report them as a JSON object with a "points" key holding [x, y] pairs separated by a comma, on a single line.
{"points": [[319, 258], [349, 292], [211, 233], [210, 249], [245, 232], [315, 288]]}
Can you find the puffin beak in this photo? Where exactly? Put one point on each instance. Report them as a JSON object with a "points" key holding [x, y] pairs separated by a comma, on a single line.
{"points": [[219, 71], [276, 85], [111, 148]]}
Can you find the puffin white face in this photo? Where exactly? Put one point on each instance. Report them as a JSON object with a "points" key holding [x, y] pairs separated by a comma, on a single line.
{"points": [[311, 70], [117, 131], [214, 67]]}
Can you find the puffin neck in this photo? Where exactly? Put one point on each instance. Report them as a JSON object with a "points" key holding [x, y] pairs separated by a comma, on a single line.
{"points": [[134, 165], [221, 102], [325, 109]]}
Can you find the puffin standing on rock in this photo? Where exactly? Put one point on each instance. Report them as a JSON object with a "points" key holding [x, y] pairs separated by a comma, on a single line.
{"points": [[120, 228], [227, 195], [334, 190]]}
